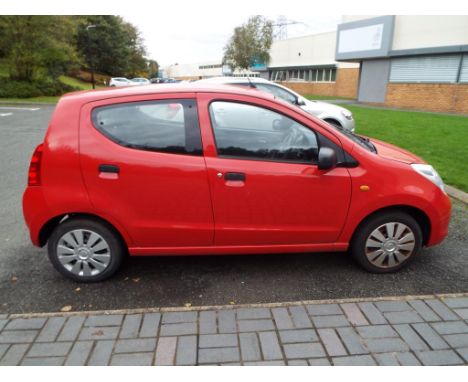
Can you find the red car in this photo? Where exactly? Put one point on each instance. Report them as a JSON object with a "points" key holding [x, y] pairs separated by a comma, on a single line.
{"points": [[195, 170]]}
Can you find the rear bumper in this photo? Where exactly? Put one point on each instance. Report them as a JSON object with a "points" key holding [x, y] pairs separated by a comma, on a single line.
{"points": [[35, 212]]}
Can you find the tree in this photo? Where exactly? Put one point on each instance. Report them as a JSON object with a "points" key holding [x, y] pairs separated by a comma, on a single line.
{"points": [[153, 68], [37, 45], [250, 43], [111, 46]]}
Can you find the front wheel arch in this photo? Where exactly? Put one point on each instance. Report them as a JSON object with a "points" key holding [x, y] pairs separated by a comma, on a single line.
{"points": [[421, 218], [333, 122]]}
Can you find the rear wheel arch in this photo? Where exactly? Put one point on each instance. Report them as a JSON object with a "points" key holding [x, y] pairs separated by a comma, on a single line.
{"points": [[50, 225], [421, 218]]}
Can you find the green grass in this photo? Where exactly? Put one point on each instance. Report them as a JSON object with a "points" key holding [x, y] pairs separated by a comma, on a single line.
{"points": [[30, 100], [323, 97], [77, 83], [441, 140]]}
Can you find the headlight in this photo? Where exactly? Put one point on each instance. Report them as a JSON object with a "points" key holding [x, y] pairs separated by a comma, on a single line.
{"points": [[347, 114], [430, 173]]}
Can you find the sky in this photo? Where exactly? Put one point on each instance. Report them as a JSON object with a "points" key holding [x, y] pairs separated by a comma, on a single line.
{"points": [[186, 39]]}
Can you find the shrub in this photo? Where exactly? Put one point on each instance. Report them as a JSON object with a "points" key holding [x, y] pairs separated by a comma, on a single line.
{"points": [[40, 87]]}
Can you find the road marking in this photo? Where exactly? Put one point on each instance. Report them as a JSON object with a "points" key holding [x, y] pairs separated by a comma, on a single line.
{"points": [[20, 108], [5, 114]]}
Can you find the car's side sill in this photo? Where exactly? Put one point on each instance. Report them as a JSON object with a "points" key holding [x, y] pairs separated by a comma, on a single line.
{"points": [[238, 249]]}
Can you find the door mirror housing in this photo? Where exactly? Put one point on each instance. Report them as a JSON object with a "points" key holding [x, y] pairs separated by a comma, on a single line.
{"points": [[327, 159], [300, 102]]}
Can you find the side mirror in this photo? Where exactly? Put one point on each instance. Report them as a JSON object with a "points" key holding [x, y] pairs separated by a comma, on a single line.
{"points": [[327, 159], [299, 102]]}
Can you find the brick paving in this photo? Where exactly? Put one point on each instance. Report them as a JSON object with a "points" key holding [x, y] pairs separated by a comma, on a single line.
{"points": [[427, 330]]}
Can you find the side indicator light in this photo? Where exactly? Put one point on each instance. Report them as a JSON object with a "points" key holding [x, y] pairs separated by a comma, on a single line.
{"points": [[364, 188]]}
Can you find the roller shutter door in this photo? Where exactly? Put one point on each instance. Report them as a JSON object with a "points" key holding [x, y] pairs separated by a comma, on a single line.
{"points": [[464, 69], [441, 69]]}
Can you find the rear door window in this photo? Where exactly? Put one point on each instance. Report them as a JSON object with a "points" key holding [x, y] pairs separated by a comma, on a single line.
{"points": [[169, 126]]}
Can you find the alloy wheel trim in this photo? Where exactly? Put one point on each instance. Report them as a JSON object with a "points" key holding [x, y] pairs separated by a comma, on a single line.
{"points": [[390, 244], [83, 252]]}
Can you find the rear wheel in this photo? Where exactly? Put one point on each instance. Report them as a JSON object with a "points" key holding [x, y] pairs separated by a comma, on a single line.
{"points": [[386, 242], [85, 250]]}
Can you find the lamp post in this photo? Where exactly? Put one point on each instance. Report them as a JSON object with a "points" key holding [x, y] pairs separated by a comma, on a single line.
{"points": [[91, 58]]}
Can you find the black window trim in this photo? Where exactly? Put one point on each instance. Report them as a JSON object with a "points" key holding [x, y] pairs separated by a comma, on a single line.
{"points": [[190, 103], [317, 135]]}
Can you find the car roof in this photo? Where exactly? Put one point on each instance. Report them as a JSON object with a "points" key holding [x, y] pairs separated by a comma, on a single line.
{"points": [[224, 80], [85, 96]]}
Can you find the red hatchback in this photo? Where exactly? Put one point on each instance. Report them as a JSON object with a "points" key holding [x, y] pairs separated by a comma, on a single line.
{"points": [[196, 170]]}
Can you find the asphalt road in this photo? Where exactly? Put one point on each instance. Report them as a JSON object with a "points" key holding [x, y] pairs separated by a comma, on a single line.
{"points": [[28, 283]]}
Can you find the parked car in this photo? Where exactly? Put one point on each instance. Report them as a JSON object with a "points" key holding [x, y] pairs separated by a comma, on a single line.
{"points": [[335, 115], [193, 169], [141, 81], [164, 81], [121, 81]]}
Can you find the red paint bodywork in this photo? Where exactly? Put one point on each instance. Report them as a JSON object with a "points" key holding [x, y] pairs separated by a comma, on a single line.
{"points": [[165, 203]]}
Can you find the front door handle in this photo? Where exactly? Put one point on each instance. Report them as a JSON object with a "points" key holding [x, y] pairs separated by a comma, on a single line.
{"points": [[109, 168], [235, 176]]}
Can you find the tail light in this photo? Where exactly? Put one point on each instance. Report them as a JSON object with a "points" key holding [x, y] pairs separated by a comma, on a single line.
{"points": [[34, 174]]}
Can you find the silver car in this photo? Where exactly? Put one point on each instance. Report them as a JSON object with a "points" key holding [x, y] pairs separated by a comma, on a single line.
{"points": [[335, 115]]}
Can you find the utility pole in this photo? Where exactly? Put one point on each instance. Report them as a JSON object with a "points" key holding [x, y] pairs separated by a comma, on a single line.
{"points": [[91, 58]]}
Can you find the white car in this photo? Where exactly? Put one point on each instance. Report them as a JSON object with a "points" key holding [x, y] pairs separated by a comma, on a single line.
{"points": [[335, 115], [121, 81], [141, 81]]}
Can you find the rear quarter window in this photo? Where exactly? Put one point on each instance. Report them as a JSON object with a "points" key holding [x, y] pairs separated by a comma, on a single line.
{"points": [[169, 126]]}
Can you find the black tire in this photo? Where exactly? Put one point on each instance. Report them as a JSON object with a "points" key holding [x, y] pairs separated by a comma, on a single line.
{"points": [[108, 234], [358, 242]]}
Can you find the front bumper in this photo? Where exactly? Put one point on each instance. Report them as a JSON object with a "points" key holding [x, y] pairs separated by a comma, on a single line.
{"points": [[348, 124], [440, 219]]}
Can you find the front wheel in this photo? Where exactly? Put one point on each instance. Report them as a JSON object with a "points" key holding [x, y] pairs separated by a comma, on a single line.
{"points": [[85, 250], [386, 242]]}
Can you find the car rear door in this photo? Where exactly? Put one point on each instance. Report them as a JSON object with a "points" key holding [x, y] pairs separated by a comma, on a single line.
{"points": [[265, 183], [143, 165]]}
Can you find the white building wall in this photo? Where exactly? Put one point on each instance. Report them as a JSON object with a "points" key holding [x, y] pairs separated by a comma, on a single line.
{"points": [[313, 50], [193, 70], [413, 32], [421, 31]]}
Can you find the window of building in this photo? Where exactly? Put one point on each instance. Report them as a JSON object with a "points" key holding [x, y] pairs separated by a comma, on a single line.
{"points": [[169, 126], [319, 75], [309, 75], [210, 66]]}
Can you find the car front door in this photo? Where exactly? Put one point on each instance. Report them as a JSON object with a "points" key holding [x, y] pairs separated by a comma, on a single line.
{"points": [[143, 166], [265, 183]]}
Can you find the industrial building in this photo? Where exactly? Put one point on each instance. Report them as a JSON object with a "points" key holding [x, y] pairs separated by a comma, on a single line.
{"points": [[414, 62]]}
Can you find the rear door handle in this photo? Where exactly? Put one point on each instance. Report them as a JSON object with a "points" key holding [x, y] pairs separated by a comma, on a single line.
{"points": [[109, 168], [236, 176]]}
